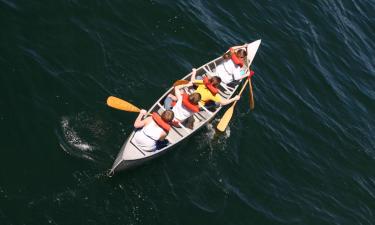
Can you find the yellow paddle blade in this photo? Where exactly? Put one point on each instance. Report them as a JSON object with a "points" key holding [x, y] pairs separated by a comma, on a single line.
{"points": [[225, 119], [179, 82], [251, 96], [228, 114], [118, 103]]}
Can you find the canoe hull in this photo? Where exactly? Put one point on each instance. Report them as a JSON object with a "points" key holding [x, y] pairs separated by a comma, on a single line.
{"points": [[131, 156]]}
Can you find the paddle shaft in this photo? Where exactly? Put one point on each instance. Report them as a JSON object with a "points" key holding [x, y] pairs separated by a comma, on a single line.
{"points": [[251, 95], [224, 121], [250, 87], [242, 89]]}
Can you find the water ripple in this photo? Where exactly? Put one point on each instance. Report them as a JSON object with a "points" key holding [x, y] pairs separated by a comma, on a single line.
{"points": [[303, 156]]}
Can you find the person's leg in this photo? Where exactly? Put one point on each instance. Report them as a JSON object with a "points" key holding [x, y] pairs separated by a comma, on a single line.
{"points": [[189, 122], [168, 103], [211, 105], [161, 144]]}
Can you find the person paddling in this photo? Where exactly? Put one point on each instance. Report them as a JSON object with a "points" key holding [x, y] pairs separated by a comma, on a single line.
{"points": [[183, 105], [208, 89], [232, 68], [154, 129]]}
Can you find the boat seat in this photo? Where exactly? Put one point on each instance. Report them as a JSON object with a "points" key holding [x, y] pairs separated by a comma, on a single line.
{"points": [[140, 150]]}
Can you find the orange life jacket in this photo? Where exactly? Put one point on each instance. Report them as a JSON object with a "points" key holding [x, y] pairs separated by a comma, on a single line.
{"points": [[236, 60], [187, 103], [209, 86], [160, 122]]}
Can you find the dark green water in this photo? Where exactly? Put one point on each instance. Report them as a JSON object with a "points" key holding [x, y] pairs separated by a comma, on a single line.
{"points": [[305, 155]]}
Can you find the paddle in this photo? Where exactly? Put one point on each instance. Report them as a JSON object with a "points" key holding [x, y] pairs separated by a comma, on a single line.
{"points": [[251, 91], [118, 103], [251, 95], [179, 82], [228, 114]]}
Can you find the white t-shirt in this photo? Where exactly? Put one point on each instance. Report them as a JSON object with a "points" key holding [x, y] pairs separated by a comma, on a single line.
{"points": [[227, 70], [146, 138], [180, 112]]}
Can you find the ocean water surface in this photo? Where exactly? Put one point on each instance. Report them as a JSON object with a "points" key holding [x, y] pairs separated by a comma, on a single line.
{"points": [[305, 155]]}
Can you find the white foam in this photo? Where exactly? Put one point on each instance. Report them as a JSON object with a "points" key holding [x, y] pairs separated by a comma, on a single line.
{"points": [[72, 137], [216, 141]]}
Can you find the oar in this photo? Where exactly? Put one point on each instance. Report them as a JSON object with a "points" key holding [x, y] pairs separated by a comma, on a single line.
{"points": [[251, 95], [118, 103], [228, 114], [251, 91], [179, 82]]}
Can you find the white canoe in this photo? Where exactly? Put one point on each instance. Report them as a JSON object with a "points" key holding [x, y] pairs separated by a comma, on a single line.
{"points": [[131, 156]]}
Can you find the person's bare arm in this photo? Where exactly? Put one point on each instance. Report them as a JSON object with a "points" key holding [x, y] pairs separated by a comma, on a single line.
{"points": [[224, 101], [178, 88], [163, 136], [193, 74], [242, 77], [238, 47], [139, 122], [173, 97], [249, 75]]}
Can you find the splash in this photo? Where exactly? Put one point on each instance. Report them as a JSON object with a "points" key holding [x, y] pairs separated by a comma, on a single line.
{"points": [[214, 139], [85, 136], [72, 137], [216, 136]]}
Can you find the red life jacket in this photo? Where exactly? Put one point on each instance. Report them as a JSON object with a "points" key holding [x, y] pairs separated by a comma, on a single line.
{"points": [[209, 86], [188, 104], [160, 122], [236, 60]]}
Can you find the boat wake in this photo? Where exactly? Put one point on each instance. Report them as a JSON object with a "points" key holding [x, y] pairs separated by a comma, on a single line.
{"points": [[73, 138], [214, 139], [80, 135], [74, 144]]}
